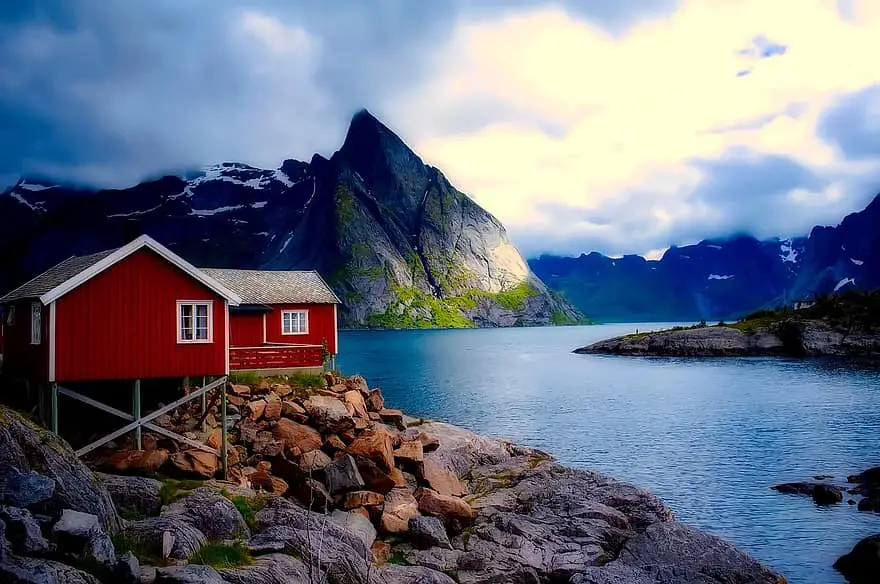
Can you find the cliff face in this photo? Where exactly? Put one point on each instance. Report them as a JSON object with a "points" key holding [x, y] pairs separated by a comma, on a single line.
{"points": [[399, 244]]}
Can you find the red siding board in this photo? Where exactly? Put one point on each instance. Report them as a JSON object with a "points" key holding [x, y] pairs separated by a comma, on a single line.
{"points": [[245, 329], [322, 325], [122, 324]]}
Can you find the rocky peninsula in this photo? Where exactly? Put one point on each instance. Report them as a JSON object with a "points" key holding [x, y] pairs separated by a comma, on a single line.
{"points": [[325, 484]]}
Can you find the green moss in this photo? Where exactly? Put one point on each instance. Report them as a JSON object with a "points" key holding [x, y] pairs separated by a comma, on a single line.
{"points": [[398, 558], [515, 298], [247, 506], [559, 318], [173, 490], [222, 556], [416, 309], [123, 544], [346, 206]]}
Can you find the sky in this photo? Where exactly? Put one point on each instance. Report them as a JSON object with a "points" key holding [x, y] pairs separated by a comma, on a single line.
{"points": [[621, 127]]}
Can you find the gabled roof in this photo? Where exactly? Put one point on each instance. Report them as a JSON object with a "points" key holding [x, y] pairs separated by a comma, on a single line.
{"points": [[275, 287], [71, 273]]}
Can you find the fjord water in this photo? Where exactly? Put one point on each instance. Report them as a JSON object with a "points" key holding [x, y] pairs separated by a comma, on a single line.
{"points": [[709, 436]]}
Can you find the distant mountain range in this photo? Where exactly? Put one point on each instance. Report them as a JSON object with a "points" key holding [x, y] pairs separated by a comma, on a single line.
{"points": [[397, 242], [723, 278]]}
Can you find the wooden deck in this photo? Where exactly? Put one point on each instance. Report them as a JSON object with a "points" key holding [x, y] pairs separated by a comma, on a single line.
{"points": [[275, 356]]}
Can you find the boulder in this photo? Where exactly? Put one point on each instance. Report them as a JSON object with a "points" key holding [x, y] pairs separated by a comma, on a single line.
{"points": [[27, 447], [821, 493], [329, 413], [23, 532], [428, 532], [357, 383], [375, 479], [273, 408], [81, 534], [20, 570], [375, 445], [190, 574], [862, 564], [393, 417], [440, 479], [453, 511], [281, 389], [269, 569], [333, 444], [355, 499], [196, 463], [22, 489], [342, 475], [293, 434], [262, 480], [399, 478], [357, 524], [310, 492], [429, 443], [266, 445], [374, 401], [400, 507], [381, 551], [127, 570], [135, 461], [240, 390], [248, 430], [409, 452], [314, 461], [211, 513], [137, 495], [355, 401], [185, 538], [255, 409], [291, 408], [395, 574]]}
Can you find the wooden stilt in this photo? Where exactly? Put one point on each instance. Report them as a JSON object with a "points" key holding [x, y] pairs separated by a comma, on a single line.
{"points": [[54, 397], [136, 412], [223, 431], [204, 407]]}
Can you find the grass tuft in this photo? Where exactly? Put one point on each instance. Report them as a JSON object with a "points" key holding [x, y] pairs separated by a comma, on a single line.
{"points": [[247, 506], [222, 555]]}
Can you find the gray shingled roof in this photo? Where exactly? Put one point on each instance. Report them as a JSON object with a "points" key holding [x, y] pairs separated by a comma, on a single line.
{"points": [[275, 287], [55, 276]]}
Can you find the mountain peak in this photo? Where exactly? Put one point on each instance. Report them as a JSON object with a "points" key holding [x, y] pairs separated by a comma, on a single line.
{"points": [[366, 132]]}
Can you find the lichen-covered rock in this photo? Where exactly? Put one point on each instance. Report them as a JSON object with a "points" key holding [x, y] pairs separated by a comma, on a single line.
{"points": [[394, 574], [428, 532], [23, 532], [357, 524], [191, 574], [127, 570], [21, 570], [269, 569], [81, 535], [21, 489], [28, 447], [211, 513], [150, 532], [136, 494]]}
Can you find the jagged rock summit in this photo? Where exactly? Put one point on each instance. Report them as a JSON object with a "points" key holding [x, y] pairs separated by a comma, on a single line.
{"points": [[400, 245]]}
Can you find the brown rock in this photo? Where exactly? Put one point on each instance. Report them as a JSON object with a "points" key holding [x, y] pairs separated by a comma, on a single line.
{"points": [[393, 417], [429, 443], [248, 430], [136, 461], [355, 499], [264, 465], [381, 551], [214, 439], [375, 401], [333, 444], [348, 436], [398, 477], [232, 456], [314, 461], [281, 389], [310, 492], [338, 388], [195, 463], [263, 481], [236, 400], [399, 507], [356, 401], [374, 416], [374, 478], [273, 407], [255, 409], [452, 510], [262, 387], [291, 408], [267, 445], [441, 479], [293, 434], [241, 390], [362, 511], [376, 445], [409, 451], [357, 383], [329, 413]]}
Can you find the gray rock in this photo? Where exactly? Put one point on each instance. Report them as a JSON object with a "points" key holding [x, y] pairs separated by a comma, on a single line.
{"points": [[191, 574], [393, 574], [20, 570], [428, 532], [28, 447], [269, 569], [342, 475], [211, 513], [22, 489], [357, 524], [139, 495], [75, 525], [862, 564], [149, 532], [5, 547], [81, 534], [128, 569], [821, 493], [613, 573], [23, 532]]}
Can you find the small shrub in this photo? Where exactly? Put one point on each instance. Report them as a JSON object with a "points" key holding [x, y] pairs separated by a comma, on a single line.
{"points": [[222, 556]]}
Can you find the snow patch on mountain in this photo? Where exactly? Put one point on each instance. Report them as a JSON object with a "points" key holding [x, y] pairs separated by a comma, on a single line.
{"points": [[845, 282], [713, 246], [33, 187], [209, 212], [136, 213], [39, 206], [717, 277], [856, 262], [787, 252]]}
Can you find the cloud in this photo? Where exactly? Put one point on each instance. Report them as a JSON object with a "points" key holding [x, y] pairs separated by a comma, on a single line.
{"points": [[852, 125], [662, 142]]}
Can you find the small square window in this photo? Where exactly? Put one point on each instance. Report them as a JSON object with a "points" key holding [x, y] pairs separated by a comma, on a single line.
{"points": [[194, 322], [294, 322], [36, 323]]}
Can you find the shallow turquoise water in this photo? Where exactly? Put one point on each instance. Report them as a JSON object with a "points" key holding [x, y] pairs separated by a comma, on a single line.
{"points": [[708, 436]]}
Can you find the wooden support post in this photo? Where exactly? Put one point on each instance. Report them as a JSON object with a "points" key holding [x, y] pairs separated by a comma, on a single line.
{"points": [[223, 431], [204, 407], [136, 412], [54, 414]]}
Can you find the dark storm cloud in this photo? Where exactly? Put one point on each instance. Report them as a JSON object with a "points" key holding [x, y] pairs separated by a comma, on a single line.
{"points": [[852, 125], [110, 91]]}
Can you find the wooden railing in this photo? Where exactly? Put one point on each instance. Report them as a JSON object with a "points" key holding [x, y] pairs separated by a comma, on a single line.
{"points": [[275, 356]]}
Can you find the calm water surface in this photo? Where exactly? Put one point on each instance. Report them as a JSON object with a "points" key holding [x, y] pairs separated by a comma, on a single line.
{"points": [[708, 436]]}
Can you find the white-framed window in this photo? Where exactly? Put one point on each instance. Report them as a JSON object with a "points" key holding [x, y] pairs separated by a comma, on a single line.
{"points": [[195, 321], [294, 322], [10, 316], [36, 323]]}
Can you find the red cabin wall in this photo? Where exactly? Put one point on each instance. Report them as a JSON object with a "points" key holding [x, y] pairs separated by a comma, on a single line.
{"points": [[245, 329], [20, 357], [122, 324], [322, 325]]}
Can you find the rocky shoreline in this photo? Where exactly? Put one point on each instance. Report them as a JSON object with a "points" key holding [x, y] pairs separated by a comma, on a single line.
{"points": [[327, 485], [794, 338]]}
